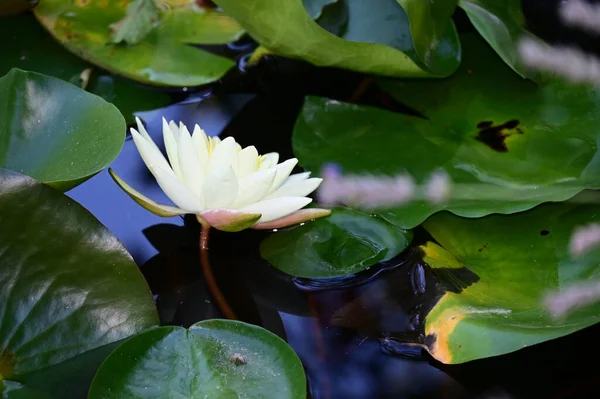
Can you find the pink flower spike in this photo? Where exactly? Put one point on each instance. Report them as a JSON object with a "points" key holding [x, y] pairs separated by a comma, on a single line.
{"points": [[228, 220], [300, 216]]}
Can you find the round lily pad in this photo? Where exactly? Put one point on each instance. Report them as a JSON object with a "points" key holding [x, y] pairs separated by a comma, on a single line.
{"points": [[54, 131], [344, 243], [68, 289], [498, 270], [162, 57], [216, 359], [506, 143]]}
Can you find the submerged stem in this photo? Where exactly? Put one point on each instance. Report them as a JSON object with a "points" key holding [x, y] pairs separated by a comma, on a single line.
{"points": [[210, 278]]}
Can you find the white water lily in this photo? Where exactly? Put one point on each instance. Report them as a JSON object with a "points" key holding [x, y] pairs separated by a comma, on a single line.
{"points": [[225, 186]]}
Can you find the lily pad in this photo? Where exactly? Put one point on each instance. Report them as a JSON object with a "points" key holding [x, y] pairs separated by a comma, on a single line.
{"points": [[375, 40], [55, 132], [502, 24], [513, 260], [344, 243], [215, 359], [68, 287], [163, 58], [507, 144], [28, 46]]}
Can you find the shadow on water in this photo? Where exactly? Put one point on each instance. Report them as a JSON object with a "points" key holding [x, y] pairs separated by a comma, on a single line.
{"points": [[358, 338]]}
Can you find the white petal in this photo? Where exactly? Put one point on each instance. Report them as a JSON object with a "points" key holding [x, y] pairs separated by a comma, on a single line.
{"points": [[283, 172], [296, 189], [225, 154], [275, 208], [220, 187], [142, 130], [149, 152], [201, 145], [176, 190], [191, 167], [254, 187], [247, 161], [171, 147], [273, 157], [174, 129], [295, 178]]}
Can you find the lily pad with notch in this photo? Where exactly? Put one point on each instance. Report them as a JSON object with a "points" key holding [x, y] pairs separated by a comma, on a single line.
{"points": [[68, 291], [164, 57], [506, 143], [344, 243], [513, 262], [217, 359]]}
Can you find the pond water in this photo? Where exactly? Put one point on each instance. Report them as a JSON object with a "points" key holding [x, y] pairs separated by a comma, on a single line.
{"points": [[356, 337]]}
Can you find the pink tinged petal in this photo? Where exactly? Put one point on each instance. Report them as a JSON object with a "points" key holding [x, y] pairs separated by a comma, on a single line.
{"points": [[247, 161], [145, 202], [296, 189], [225, 154], [191, 167], [283, 172], [220, 187], [276, 208], [201, 145], [303, 215], [176, 190], [149, 152], [229, 219], [171, 147], [253, 187]]}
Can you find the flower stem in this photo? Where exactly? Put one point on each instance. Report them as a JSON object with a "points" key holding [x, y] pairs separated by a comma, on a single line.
{"points": [[210, 278]]}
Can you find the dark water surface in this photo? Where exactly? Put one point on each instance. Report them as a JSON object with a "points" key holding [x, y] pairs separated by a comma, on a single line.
{"points": [[354, 336]]}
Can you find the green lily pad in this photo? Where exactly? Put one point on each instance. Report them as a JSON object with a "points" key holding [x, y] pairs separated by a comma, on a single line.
{"points": [[28, 46], [55, 132], [344, 243], [507, 144], [68, 287], [163, 58], [217, 359], [431, 26], [516, 259], [502, 24], [375, 40]]}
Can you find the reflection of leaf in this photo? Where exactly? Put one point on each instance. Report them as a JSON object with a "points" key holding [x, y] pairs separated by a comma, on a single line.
{"points": [[137, 23], [376, 39], [517, 259], [68, 287], [344, 243], [215, 359], [510, 144], [54, 131], [431, 24], [28, 46]]}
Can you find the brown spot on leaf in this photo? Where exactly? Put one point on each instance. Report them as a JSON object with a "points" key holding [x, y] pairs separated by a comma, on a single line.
{"points": [[495, 136], [482, 248]]}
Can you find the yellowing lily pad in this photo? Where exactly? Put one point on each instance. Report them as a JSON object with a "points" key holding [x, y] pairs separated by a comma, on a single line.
{"points": [[513, 261], [506, 143], [163, 58], [376, 38], [216, 359]]}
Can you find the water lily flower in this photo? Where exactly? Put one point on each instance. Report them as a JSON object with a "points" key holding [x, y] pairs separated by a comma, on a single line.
{"points": [[225, 186]]}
